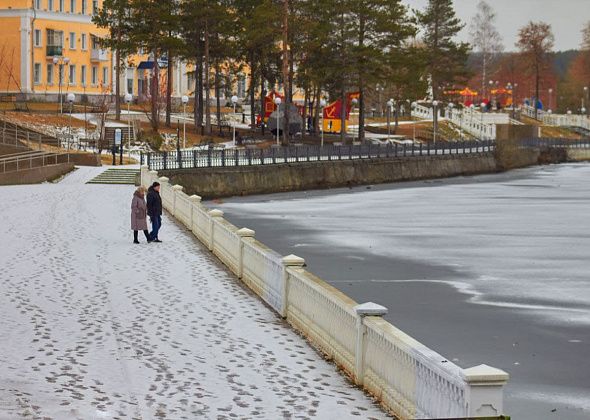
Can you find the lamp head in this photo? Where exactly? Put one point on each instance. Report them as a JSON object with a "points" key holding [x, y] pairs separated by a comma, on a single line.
{"points": [[71, 98], [278, 100], [55, 60], [128, 97], [234, 99], [322, 103], [66, 60], [184, 99]]}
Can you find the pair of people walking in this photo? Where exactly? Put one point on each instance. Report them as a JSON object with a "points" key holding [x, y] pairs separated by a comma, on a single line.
{"points": [[140, 209]]}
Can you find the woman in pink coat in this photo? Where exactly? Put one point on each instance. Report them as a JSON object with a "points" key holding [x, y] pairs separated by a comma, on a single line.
{"points": [[139, 214]]}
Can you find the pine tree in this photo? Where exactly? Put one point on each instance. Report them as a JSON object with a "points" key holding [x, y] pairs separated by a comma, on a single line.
{"points": [[446, 57]]}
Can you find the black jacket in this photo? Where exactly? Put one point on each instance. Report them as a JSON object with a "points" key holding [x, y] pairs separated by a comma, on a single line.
{"points": [[154, 203]]}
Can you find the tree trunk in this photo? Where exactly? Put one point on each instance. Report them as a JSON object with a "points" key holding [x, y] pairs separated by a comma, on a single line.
{"points": [[200, 109], [217, 99], [169, 90], [286, 71], [155, 93], [361, 81], [252, 92], [206, 82], [118, 84], [343, 106], [316, 111], [262, 108]]}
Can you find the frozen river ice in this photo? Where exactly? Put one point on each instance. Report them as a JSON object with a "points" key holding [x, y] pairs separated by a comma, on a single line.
{"points": [[492, 269], [94, 327]]}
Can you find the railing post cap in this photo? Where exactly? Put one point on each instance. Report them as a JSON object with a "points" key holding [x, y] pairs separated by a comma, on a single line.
{"points": [[163, 179], [195, 198], [483, 375], [245, 233], [293, 261], [153, 172], [370, 309], [177, 187], [145, 167], [215, 213]]}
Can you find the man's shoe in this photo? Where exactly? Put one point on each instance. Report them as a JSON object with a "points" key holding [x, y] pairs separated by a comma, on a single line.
{"points": [[135, 242], [157, 240]]}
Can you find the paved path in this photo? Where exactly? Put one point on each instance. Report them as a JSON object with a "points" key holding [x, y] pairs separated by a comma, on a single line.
{"points": [[94, 327]]}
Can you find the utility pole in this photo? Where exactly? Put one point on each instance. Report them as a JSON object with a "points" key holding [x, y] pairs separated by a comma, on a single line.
{"points": [[287, 88]]}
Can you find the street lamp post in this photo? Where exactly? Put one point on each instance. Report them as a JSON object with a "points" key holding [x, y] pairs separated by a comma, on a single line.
{"points": [[71, 99], [234, 101], [278, 104], [60, 62], [586, 92], [343, 109], [322, 106], [389, 106], [128, 99], [412, 106], [435, 120], [184, 101]]}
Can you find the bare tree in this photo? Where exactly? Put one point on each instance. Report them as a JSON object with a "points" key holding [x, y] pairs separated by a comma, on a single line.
{"points": [[485, 38], [586, 37], [536, 41]]}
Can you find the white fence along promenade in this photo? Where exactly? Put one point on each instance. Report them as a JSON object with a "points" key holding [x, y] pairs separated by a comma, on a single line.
{"points": [[409, 379], [558, 120], [480, 125], [424, 112]]}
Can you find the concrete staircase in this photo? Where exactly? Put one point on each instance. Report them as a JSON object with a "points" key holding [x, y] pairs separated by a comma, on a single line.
{"points": [[116, 177]]}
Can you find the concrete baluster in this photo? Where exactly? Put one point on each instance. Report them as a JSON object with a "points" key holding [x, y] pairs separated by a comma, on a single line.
{"points": [[294, 262], [362, 311], [244, 234], [143, 175], [214, 215], [175, 190], [195, 202], [163, 184], [485, 394]]}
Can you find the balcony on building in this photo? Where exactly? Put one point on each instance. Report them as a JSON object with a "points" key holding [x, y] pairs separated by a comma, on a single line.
{"points": [[54, 50], [98, 54]]}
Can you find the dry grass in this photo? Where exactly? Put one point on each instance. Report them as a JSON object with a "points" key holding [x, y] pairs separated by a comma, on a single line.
{"points": [[54, 120]]}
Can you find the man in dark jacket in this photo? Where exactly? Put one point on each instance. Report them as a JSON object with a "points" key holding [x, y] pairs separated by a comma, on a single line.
{"points": [[154, 210]]}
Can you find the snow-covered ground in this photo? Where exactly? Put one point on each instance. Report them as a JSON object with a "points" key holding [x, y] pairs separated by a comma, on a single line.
{"points": [[94, 327]]}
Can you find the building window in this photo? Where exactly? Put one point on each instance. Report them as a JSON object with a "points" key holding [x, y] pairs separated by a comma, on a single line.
{"points": [[50, 5], [84, 42], [105, 76], [83, 75], [37, 73], [84, 7], [37, 37], [72, 78], [61, 5], [49, 74], [72, 40], [94, 7], [37, 4], [55, 42], [72, 6], [94, 75]]}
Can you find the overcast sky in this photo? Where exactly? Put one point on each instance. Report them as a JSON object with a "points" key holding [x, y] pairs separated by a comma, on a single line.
{"points": [[567, 17]]}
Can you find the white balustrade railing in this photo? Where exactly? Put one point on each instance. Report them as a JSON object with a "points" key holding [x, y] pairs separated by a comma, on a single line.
{"points": [[424, 112], [325, 314], [564, 120], [473, 123], [263, 272], [408, 378]]}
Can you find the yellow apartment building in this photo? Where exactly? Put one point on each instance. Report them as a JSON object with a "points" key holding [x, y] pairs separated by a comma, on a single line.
{"points": [[48, 46]]}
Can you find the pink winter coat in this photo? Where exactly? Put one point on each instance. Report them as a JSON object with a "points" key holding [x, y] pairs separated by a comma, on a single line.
{"points": [[138, 212]]}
